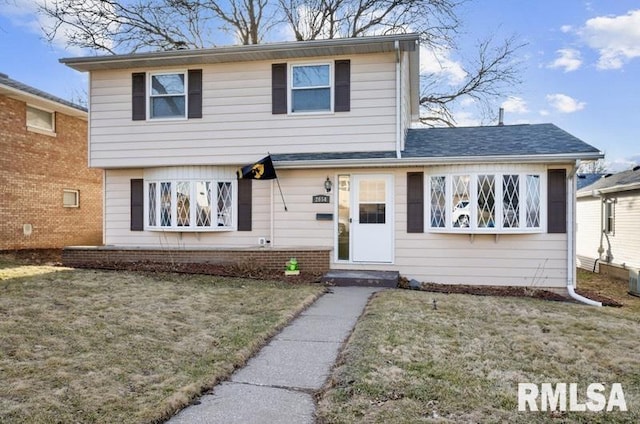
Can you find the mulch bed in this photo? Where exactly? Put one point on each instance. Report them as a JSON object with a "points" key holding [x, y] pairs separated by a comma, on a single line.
{"points": [[54, 256], [509, 292], [239, 271]]}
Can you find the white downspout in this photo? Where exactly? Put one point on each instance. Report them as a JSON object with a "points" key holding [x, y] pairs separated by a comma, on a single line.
{"points": [[571, 242], [398, 100]]}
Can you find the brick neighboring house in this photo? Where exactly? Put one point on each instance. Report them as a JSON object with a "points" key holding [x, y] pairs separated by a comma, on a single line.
{"points": [[50, 198]]}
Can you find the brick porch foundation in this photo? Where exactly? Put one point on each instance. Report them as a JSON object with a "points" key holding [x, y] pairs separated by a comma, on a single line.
{"points": [[313, 261]]}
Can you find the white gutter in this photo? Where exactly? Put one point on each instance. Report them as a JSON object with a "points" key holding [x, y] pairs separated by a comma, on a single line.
{"points": [[571, 242], [398, 100], [389, 162]]}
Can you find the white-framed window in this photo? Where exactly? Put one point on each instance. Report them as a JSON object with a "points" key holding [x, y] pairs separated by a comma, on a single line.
{"points": [[190, 205], [311, 88], [41, 119], [609, 216], [486, 202], [167, 95], [70, 198]]}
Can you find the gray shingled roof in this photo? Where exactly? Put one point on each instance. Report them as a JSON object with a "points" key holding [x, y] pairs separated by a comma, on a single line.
{"points": [[470, 142], [611, 182], [6, 81], [587, 179], [507, 140]]}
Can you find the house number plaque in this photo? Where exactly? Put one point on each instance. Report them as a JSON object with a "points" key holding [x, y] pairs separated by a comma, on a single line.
{"points": [[320, 198]]}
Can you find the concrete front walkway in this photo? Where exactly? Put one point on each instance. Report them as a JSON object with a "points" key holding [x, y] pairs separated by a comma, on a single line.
{"points": [[277, 385]]}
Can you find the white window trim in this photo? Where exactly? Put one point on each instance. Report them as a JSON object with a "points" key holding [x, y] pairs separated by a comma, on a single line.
{"points": [[150, 76], [42, 130], [290, 89], [77, 197], [473, 201], [609, 215], [192, 210]]}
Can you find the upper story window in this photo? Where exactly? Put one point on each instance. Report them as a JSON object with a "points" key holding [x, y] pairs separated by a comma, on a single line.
{"points": [[40, 119], [311, 88], [486, 202], [167, 96]]}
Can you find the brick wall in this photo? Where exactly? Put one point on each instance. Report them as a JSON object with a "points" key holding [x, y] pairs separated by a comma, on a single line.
{"points": [[269, 259], [34, 170]]}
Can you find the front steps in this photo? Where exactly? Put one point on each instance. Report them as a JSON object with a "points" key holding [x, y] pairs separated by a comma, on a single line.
{"points": [[341, 277]]}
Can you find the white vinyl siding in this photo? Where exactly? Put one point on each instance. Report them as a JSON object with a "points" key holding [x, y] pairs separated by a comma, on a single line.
{"points": [[531, 260], [623, 243], [237, 122]]}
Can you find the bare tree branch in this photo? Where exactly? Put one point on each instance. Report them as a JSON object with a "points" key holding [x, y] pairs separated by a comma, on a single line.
{"points": [[489, 77]]}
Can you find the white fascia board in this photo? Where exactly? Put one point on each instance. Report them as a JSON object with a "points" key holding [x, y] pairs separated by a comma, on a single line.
{"points": [[393, 162]]}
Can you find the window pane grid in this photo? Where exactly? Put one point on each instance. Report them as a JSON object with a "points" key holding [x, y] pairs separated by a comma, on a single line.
{"points": [[203, 204], [195, 205], [152, 204], [224, 204], [183, 204], [486, 201], [533, 201], [165, 204], [438, 202], [510, 201], [460, 196]]}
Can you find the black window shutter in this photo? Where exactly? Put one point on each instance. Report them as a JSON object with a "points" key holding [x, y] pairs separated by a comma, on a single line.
{"points": [[138, 97], [278, 88], [557, 201], [415, 202], [195, 93], [244, 204], [343, 86], [137, 205]]}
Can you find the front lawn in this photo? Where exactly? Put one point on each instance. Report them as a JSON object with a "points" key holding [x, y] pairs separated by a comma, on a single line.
{"points": [[407, 362], [82, 346]]}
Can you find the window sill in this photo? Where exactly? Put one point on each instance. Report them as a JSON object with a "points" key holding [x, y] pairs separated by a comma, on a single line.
{"points": [[485, 231], [312, 113], [42, 131], [190, 230]]}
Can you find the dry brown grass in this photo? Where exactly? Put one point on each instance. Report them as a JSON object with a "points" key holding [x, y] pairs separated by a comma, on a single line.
{"points": [[116, 347], [461, 363]]}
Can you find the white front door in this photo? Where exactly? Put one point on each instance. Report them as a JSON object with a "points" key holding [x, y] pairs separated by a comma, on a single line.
{"points": [[372, 218]]}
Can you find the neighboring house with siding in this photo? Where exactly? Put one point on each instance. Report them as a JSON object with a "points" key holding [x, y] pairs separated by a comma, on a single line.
{"points": [[50, 198], [608, 214], [483, 205]]}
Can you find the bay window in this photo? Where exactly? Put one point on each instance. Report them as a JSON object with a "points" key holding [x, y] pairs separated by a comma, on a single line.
{"points": [[487, 202], [190, 205]]}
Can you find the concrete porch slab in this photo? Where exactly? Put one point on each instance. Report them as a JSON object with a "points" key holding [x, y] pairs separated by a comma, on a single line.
{"points": [[362, 278]]}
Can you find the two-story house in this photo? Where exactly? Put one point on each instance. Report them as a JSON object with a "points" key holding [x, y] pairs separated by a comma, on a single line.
{"points": [[365, 186], [50, 198]]}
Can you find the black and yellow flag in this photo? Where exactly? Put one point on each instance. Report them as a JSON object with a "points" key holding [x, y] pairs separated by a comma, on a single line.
{"points": [[261, 170]]}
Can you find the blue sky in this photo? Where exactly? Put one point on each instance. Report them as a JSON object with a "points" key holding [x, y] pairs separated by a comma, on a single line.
{"points": [[580, 67]]}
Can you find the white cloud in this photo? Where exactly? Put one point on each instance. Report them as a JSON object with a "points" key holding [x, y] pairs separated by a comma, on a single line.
{"points": [[544, 112], [437, 61], [515, 105], [566, 28], [616, 38], [568, 59], [564, 104]]}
